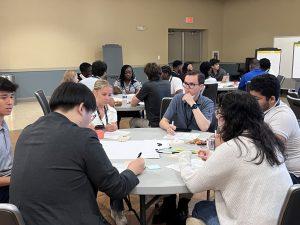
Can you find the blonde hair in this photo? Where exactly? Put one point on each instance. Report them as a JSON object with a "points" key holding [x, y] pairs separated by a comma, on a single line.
{"points": [[99, 84], [69, 76]]}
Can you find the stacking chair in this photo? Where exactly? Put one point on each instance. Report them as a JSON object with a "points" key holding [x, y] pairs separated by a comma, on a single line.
{"points": [[213, 124], [10, 215], [211, 91], [165, 102], [289, 214], [293, 93], [280, 78], [43, 101], [295, 106]]}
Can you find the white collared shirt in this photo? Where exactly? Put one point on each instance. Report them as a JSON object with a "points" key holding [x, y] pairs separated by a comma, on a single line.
{"points": [[111, 117], [176, 84]]}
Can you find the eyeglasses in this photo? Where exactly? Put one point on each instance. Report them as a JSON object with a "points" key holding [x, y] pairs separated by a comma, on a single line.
{"points": [[189, 85]]}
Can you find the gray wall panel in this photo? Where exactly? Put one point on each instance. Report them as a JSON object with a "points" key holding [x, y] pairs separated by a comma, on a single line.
{"points": [[30, 81]]}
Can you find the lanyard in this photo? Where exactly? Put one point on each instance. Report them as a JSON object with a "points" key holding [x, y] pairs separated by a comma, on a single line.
{"points": [[128, 87], [105, 114]]}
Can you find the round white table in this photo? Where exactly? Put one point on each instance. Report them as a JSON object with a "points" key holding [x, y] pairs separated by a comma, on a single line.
{"points": [[129, 108], [228, 86], [163, 181]]}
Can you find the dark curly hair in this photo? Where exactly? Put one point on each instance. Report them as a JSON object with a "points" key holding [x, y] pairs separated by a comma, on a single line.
{"points": [[122, 75]]}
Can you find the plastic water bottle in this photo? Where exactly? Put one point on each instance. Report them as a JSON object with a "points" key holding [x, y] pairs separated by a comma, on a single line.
{"points": [[211, 143], [124, 99]]}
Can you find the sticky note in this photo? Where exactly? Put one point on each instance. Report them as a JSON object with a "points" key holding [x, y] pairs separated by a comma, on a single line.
{"points": [[153, 167]]}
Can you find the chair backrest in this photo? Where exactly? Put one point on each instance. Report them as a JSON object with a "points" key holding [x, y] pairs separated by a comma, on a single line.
{"points": [[165, 102], [289, 214], [280, 79], [295, 105], [10, 215], [211, 91], [293, 93], [213, 124], [43, 101]]}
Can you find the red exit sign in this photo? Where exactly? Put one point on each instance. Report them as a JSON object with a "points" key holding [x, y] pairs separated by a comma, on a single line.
{"points": [[189, 19]]}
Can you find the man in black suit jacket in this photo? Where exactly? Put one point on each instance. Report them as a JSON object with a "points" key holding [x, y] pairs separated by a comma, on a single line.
{"points": [[60, 165]]}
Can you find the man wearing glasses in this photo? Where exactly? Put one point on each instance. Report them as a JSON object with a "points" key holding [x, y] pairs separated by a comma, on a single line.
{"points": [[59, 159], [189, 111], [7, 90]]}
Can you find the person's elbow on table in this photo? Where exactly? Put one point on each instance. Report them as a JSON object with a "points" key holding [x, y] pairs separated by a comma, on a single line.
{"points": [[164, 124], [134, 101], [206, 126]]}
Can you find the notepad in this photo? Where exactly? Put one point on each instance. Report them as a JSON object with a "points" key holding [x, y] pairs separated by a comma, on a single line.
{"points": [[130, 149]]}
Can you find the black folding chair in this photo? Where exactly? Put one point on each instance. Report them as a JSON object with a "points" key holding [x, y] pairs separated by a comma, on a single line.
{"points": [[165, 102], [211, 91], [293, 93], [10, 215], [295, 105], [289, 214], [43, 101]]}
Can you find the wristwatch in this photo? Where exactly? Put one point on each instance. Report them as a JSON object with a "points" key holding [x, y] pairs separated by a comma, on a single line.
{"points": [[195, 106]]}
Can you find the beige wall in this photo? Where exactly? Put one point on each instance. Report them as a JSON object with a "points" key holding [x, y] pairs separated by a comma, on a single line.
{"points": [[63, 33], [251, 24]]}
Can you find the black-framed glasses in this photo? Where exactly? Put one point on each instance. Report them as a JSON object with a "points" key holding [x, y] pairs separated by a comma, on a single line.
{"points": [[189, 85]]}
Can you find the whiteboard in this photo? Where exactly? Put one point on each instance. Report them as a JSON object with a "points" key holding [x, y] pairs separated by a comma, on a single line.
{"points": [[274, 57], [286, 45], [296, 61]]}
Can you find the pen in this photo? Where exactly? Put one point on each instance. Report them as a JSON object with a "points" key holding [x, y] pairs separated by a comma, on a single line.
{"points": [[173, 122], [139, 155]]}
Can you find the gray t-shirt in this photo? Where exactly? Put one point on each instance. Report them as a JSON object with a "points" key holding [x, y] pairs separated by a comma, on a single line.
{"points": [[152, 93], [181, 113], [283, 122], [6, 158]]}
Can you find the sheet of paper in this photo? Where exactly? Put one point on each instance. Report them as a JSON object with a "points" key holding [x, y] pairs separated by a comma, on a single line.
{"points": [[130, 149], [182, 136], [116, 134], [196, 163], [162, 144]]}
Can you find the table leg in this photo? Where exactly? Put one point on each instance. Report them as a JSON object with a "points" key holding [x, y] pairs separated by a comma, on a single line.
{"points": [[143, 209]]}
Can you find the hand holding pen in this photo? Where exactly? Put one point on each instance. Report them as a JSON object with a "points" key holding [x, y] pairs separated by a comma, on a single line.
{"points": [[137, 166], [171, 129]]}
